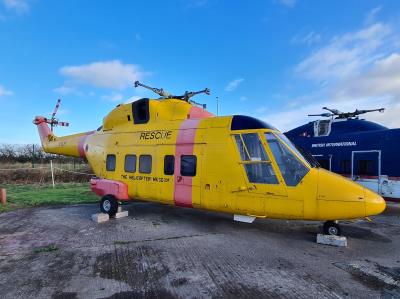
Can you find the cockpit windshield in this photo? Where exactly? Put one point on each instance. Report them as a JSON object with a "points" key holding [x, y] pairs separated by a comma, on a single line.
{"points": [[291, 146], [293, 168]]}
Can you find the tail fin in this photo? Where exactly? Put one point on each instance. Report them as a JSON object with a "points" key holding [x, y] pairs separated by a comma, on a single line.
{"points": [[70, 145], [44, 131]]}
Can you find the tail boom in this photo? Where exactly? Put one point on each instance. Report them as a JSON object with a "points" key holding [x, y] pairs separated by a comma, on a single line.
{"points": [[70, 145]]}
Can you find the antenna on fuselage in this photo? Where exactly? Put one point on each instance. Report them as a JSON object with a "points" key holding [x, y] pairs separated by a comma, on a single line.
{"points": [[343, 115]]}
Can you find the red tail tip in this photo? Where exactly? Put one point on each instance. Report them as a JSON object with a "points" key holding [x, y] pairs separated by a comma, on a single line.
{"points": [[39, 119]]}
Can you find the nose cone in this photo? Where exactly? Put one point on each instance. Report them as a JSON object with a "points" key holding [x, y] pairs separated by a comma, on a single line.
{"points": [[374, 204]]}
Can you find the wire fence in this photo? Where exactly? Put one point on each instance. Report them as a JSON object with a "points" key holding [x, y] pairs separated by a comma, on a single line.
{"points": [[45, 173]]}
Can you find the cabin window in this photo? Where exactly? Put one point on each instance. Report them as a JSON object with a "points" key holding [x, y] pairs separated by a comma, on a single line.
{"points": [[345, 166], [291, 167], [130, 163], [110, 162], [365, 167], [255, 160], [169, 163], [145, 164], [140, 111], [322, 127], [188, 165]]}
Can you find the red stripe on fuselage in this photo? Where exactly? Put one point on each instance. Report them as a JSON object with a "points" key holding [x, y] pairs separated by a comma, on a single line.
{"points": [[184, 146]]}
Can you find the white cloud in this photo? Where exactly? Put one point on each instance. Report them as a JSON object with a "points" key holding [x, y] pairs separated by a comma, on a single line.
{"points": [[65, 90], [233, 84], [288, 3], [113, 97], [261, 110], [5, 92], [19, 6], [309, 38], [132, 99], [243, 98], [106, 74], [347, 54], [382, 79], [371, 15], [359, 69]]}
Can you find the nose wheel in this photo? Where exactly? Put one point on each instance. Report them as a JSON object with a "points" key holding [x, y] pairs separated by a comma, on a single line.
{"points": [[332, 228], [109, 205]]}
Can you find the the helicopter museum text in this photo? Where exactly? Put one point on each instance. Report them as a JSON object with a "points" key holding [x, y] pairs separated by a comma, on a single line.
{"points": [[145, 178]]}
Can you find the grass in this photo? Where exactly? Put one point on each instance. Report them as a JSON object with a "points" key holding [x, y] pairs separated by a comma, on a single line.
{"points": [[22, 196]]}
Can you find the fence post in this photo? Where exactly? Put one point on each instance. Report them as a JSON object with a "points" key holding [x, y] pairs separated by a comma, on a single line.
{"points": [[33, 155], [52, 172], [3, 196]]}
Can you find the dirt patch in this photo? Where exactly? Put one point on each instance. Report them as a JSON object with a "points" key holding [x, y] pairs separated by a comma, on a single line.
{"points": [[140, 267]]}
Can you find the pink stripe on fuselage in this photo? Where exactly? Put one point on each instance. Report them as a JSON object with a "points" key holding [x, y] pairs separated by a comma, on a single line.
{"points": [[184, 146], [82, 139]]}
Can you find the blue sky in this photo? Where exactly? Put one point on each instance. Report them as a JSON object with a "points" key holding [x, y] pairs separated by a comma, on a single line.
{"points": [[273, 59]]}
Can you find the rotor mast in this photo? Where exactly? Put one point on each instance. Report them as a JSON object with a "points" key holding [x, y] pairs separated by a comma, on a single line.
{"points": [[185, 97]]}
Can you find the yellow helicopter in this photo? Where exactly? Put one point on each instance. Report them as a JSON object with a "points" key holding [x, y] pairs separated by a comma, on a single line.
{"points": [[171, 150]]}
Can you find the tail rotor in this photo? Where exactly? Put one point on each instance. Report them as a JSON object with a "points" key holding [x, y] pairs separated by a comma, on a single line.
{"points": [[53, 121]]}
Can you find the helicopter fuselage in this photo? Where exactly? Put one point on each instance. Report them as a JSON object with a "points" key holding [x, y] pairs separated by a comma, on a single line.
{"points": [[172, 152], [358, 149]]}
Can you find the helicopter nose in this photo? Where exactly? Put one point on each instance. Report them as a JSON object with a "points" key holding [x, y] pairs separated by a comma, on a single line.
{"points": [[374, 204]]}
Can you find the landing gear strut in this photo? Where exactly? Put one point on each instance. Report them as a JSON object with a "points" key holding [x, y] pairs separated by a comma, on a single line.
{"points": [[332, 228], [109, 205]]}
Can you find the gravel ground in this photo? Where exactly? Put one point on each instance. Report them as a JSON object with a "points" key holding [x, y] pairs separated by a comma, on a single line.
{"points": [[165, 252]]}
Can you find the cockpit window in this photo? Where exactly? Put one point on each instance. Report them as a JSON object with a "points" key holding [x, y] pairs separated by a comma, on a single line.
{"points": [[322, 127], [254, 147], [255, 160], [292, 168]]}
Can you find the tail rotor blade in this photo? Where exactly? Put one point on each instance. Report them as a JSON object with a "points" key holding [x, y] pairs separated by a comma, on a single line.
{"points": [[56, 108]]}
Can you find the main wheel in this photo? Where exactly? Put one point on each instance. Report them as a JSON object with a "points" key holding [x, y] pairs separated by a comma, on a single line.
{"points": [[109, 205], [332, 228]]}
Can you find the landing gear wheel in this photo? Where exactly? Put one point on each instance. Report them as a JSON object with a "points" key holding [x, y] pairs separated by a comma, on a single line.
{"points": [[332, 228], [109, 205]]}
